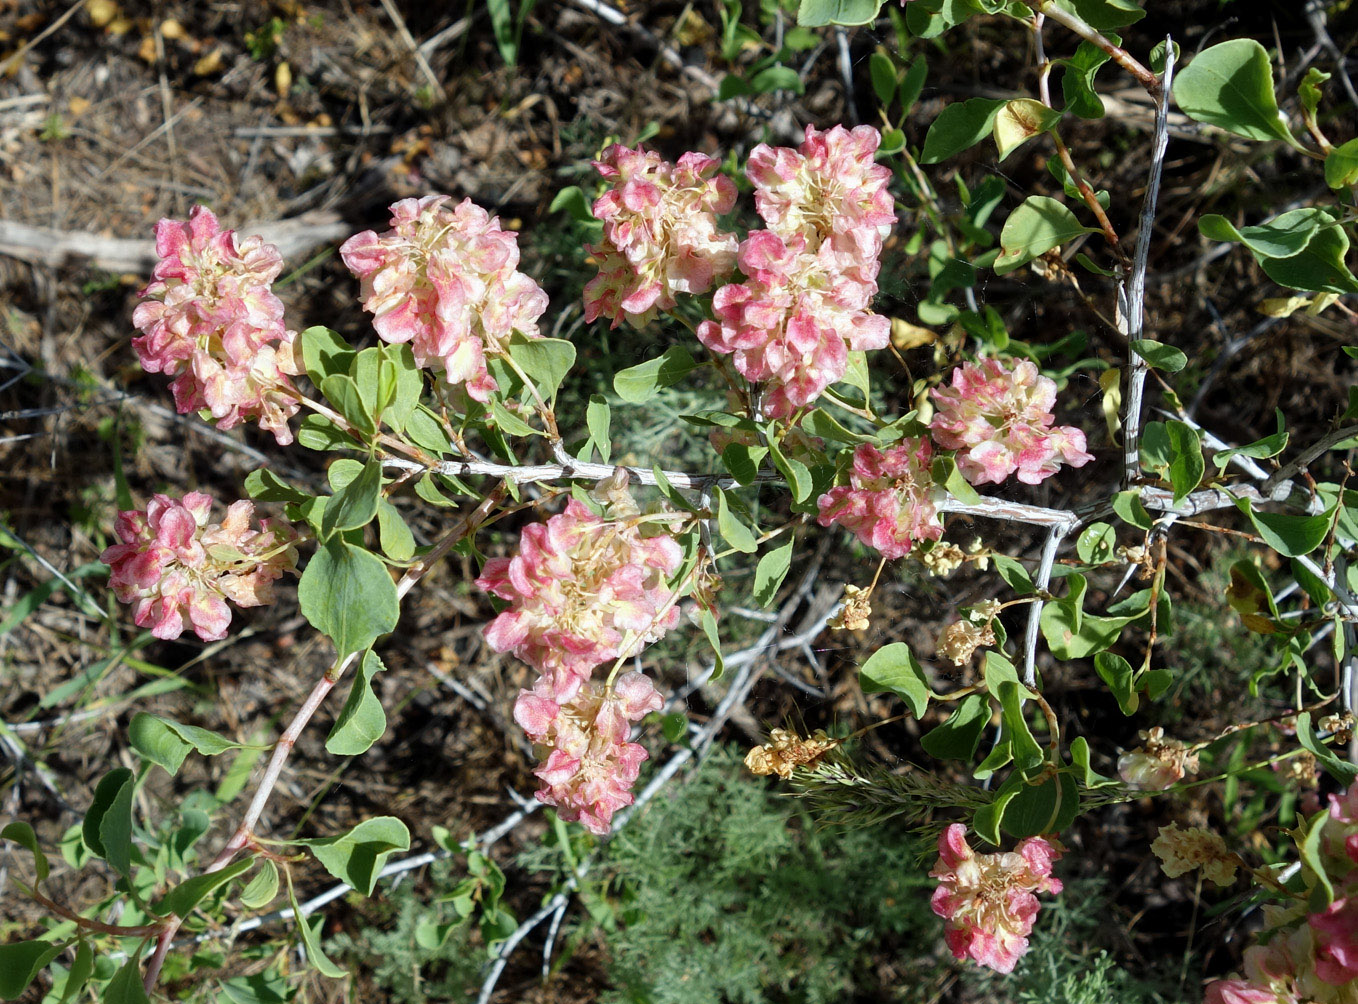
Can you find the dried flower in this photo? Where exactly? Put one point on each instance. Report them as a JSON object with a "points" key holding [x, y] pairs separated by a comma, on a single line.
{"points": [[1157, 764], [960, 640], [1180, 851], [582, 591], [660, 233], [854, 613], [943, 559], [891, 500], [786, 751], [989, 900], [589, 766], [447, 281], [172, 564], [793, 322], [999, 419], [209, 319]]}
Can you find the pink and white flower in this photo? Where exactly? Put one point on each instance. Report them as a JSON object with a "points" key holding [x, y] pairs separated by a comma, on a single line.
{"points": [[660, 233], [209, 319], [829, 190], [582, 591], [447, 282], [173, 565], [891, 500], [589, 766], [793, 322], [989, 900], [999, 420]]}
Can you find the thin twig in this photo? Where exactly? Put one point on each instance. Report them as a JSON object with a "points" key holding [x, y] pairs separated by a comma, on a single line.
{"points": [[428, 72], [1131, 294], [1042, 581]]}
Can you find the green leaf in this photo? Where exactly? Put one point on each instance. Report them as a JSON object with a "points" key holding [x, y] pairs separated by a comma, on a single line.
{"points": [[1313, 856], [707, 620], [261, 890], [638, 384], [1290, 536], [813, 13], [944, 472], [1026, 751], [426, 431], [1281, 237], [361, 721], [264, 485], [770, 572], [1230, 86], [799, 479], [597, 417], [354, 505], [1104, 14], [1096, 544], [182, 899], [1260, 449], [1173, 451], [341, 391], [958, 127], [155, 741], [261, 988], [111, 805], [1117, 673], [573, 201], [347, 594], [894, 669], [357, 856], [375, 392], [1037, 226], [316, 432], [22, 833], [1161, 356], [1129, 509], [1319, 268], [1077, 82], [988, 818], [742, 461], [397, 542], [1020, 120], [776, 78], [20, 962], [1155, 682], [79, 974], [882, 72], [325, 353], [1341, 165], [126, 986], [733, 531], [912, 84], [960, 735], [409, 385], [311, 939], [1016, 577], [545, 360], [509, 421], [1079, 755], [1048, 807], [1341, 770]]}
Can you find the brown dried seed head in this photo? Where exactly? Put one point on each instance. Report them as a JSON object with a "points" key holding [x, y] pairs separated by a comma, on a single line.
{"points": [[785, 751]]}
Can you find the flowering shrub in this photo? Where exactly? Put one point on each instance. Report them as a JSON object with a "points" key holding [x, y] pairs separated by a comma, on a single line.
{"points": [[172, 564], [891, 501], [989, 900], [447, 282]]}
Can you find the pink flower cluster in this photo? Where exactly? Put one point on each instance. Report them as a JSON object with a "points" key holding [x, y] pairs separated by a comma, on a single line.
{"points": [[660, 233], [891, 500], [447, 281], [812, 274], [998, 418], [989, 900], [173, 564], [583, 591], [1305, 956], [590, 766], [209, 319]]}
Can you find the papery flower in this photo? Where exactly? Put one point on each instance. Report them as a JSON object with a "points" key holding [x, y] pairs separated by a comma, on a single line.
{"points": [[447, 281], [172, 564], [829, 190], [582, 591], [209, 319], [1156, 764], [989, 900], [589, 765], [891, 500], [786, 751], [999, 420], [960, 640], [1285, 968], [1336, 934], [1180, 851], [660, 233], [793, 322]]}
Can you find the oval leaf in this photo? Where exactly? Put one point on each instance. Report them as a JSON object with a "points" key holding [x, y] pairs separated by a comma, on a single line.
{"points": [[894, 668]]}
